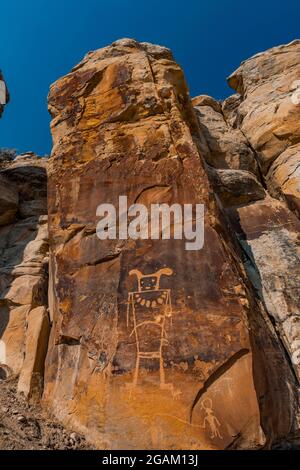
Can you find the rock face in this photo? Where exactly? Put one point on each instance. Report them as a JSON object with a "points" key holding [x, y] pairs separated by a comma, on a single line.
{"points": [[266, 112], [23, 270], [223, 145], [9, 201], [236, 187], [283, 178], [154, 346], [269, 235], [269, 114]]}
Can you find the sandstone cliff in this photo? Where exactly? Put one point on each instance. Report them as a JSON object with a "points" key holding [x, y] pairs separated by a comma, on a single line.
{"points": [[123, 124], [268, 115], [153, 346], [24, 326], [265, 115]]}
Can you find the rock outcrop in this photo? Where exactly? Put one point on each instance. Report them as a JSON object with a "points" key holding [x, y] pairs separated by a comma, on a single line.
{"points": [[24, 323], [266, 113], [9, 201], [223, 145], [153, 346]]}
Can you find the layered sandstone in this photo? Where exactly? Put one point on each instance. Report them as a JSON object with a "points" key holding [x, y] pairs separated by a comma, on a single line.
{"points": [[24, 270], [186, 364], [154, 346], [268, 114], [265, 113]]}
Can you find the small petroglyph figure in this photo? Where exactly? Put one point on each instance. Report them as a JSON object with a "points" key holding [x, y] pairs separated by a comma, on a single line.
{"points": [[210, 418], [149, 308]]}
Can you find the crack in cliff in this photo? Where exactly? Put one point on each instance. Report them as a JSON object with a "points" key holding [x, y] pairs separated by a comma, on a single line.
{"points": [[165, 114], [216, 375], [275, 322], [260, 173], [105, 259], [68, 340], [288, 177]]}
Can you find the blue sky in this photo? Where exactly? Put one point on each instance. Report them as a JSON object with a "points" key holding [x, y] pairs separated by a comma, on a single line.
{"points": [[40, 40]]}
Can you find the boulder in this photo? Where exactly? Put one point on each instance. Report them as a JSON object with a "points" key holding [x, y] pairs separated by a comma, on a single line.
{"points": [[30, 382], [12, 333], [236, 187]]}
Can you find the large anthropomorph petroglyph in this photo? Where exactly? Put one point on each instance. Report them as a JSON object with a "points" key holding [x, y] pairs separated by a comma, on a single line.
{"points": [[150, 308]]}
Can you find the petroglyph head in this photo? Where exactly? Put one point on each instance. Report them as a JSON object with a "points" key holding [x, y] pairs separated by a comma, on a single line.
{"points": [[150, 281]]}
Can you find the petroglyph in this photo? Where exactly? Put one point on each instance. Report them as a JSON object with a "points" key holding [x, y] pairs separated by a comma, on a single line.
{"points": [[150, 307], [210, 419]]}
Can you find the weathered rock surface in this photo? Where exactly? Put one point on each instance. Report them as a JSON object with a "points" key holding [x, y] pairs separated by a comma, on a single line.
{"points": [[235, 187], [37, 335], [23, 269], [223, 145], [269, 114], [265, 112], [269, 234], [153, 346], [183, 364], [283, 177], [9, 201]]}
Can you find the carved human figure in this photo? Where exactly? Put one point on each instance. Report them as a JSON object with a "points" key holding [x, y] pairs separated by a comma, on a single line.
{"points": [[210, 419], [150, 307]]}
